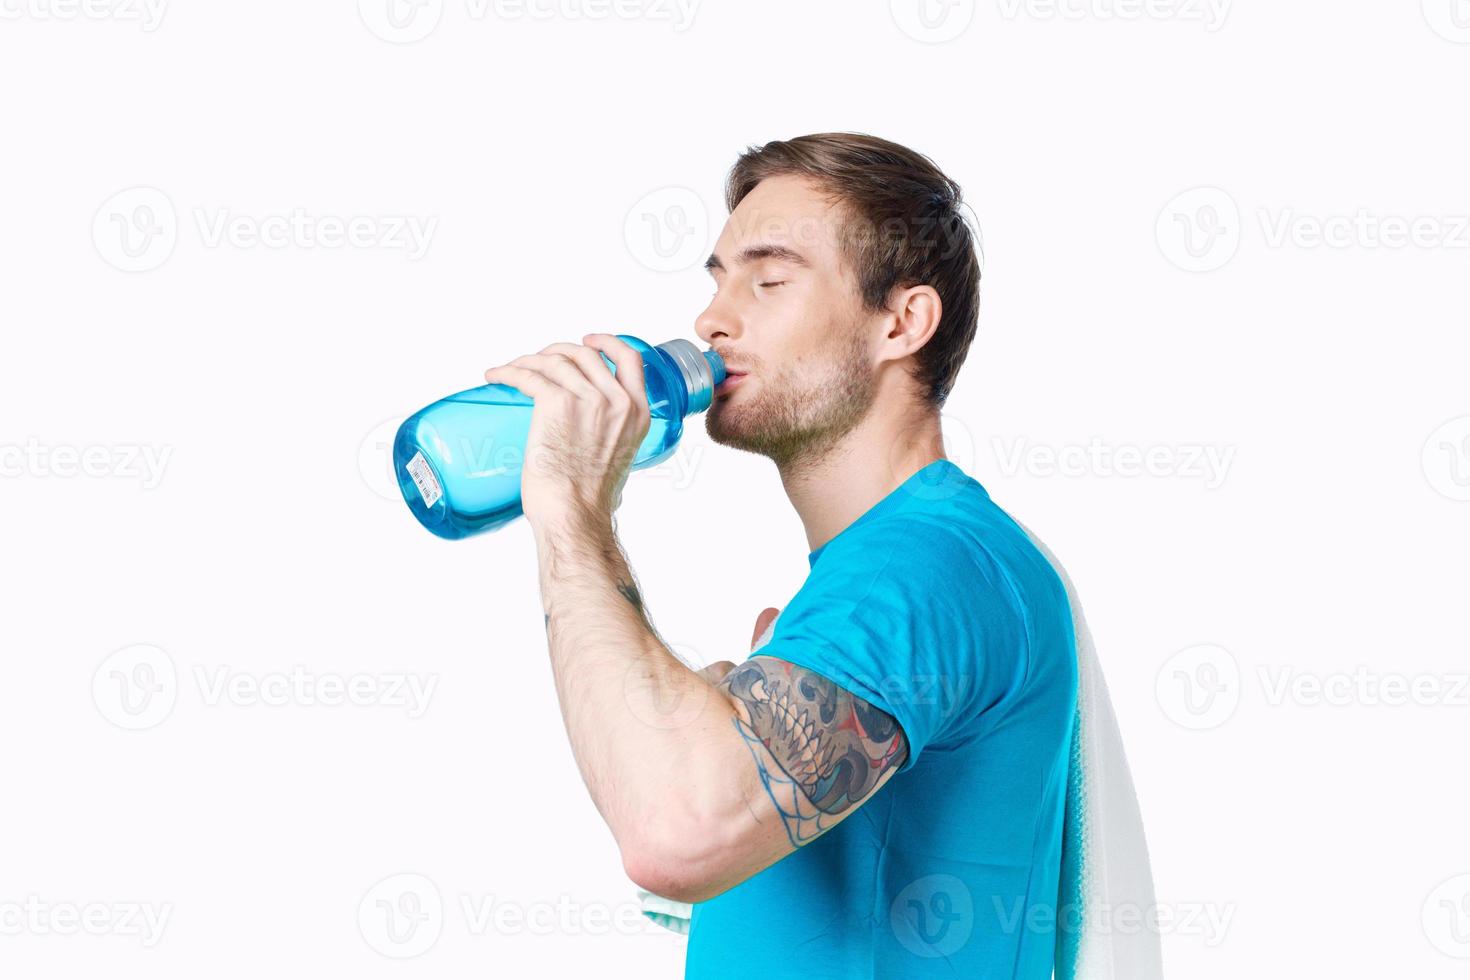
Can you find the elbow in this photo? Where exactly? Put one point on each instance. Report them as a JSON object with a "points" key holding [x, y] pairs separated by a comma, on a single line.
{"points": [[659, 877], [676, 881], [675, 863]]}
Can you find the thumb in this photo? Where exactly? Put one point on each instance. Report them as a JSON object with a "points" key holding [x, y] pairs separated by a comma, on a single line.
{"points": [[762, 622]]}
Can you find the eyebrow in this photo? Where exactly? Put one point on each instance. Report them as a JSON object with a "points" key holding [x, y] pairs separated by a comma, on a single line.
{"points": [[754, 253]]}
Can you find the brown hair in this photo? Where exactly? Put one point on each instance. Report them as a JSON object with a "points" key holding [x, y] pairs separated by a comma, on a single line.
{"points": [[903, 227]]}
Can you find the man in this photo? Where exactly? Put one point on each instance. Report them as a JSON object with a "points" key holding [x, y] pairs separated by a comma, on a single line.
{"points": [[878, 790]]}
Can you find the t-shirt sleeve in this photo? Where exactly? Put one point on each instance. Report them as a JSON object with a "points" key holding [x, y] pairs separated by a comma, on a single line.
{"points": [[912, 618]]}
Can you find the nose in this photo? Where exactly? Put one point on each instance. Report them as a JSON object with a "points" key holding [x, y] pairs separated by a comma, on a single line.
{"points": [[719, 321]]}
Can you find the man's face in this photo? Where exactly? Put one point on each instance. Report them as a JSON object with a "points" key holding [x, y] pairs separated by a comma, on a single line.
{"points": [[786, 312]]}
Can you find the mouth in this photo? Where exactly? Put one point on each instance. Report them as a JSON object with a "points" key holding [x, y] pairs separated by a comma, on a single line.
{"points": [[732, 379]]}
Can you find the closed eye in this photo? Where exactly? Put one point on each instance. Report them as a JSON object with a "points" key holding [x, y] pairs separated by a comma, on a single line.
{"points": [[781, 283]]}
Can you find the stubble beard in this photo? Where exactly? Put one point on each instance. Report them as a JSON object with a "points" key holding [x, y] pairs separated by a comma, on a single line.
{"points": [[794, 420]]}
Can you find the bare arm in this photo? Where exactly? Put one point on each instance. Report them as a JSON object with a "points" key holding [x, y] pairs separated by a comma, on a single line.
{"points": [[650, 736], [705, 777]]}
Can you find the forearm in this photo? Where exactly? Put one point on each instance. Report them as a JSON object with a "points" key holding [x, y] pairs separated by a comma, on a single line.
{"points": [[647, 732]]}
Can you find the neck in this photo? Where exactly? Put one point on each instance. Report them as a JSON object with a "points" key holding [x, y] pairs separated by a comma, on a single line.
{"points": [[835, 486]]}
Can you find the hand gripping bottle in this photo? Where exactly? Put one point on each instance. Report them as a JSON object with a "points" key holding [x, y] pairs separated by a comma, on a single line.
{"points": [[458, 461]]}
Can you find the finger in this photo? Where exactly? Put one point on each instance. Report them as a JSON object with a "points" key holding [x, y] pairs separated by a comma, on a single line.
{"points": [[562, 370], [529, 382], [629, 362], [591, 363], [762, 622]]}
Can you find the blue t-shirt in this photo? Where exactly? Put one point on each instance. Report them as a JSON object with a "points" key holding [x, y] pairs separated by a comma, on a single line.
{"points": [[934, 606]]}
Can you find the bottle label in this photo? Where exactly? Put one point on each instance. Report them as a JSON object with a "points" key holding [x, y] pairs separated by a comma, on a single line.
{"points": [[423, 478]]}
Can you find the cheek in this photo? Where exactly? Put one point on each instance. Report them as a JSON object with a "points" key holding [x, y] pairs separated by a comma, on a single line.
{"points": [[801, 324]]}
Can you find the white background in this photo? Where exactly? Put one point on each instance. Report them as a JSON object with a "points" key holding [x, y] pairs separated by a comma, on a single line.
{"points": [[1118, 316]]}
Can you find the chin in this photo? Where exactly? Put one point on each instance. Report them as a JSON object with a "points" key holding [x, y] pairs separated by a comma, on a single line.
{"points": [[726, 427]]}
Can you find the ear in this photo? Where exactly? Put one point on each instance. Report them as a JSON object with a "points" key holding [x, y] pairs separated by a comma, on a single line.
{"points": [[914, 313]]}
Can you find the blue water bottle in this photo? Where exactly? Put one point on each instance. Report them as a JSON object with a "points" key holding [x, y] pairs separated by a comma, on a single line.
{"points": [[458, 461]]}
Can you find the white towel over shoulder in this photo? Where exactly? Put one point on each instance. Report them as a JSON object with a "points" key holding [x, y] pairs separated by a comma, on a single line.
{"points": [[1105, 869]]}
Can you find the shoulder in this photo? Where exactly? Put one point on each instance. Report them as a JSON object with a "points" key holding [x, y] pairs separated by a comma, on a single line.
{"points": [[934, 551], [906, 539], [973, 573]]}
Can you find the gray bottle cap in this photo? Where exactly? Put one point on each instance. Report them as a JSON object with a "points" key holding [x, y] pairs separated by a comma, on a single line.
{"points": [[702, 370]]}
